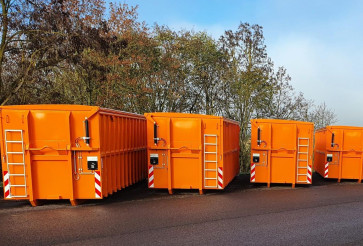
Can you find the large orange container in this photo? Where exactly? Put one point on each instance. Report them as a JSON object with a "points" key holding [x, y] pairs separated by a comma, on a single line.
{"points": [[338, 152], [281, 151], [70, 151], [190, 151]]}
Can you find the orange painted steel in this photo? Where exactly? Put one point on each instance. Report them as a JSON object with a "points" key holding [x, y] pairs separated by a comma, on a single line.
{"points": [[338, 152], [70, 151], [191, 151], [281, 151]]}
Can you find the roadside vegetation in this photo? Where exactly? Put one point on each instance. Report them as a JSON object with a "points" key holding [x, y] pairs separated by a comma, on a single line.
{"points": [[93, 53]]}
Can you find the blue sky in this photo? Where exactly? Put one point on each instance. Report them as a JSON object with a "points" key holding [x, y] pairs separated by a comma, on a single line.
{"points": [[319, 42]]}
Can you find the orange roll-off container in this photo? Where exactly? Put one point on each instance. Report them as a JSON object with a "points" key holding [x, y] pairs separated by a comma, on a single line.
{"points": [[70, 151], [281, 151], [191, 151], [338, 152]]}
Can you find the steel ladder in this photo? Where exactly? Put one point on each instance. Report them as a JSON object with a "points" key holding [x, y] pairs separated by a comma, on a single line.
{"points": [[11, 164], [302, 163], [210, 157]]}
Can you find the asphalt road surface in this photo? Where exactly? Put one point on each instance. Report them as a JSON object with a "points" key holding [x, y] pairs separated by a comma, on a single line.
{"points": [[325, 213]]}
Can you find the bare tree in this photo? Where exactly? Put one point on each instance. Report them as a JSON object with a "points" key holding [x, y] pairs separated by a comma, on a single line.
{"points": [[322, 116]]}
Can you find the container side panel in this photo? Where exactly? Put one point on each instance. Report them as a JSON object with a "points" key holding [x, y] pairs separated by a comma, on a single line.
{"points": [[320, 152], [231, 149]]}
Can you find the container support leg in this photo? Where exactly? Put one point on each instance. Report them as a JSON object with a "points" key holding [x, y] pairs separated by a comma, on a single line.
{"points": [[201, 192], [75, 202], [35, 203]]}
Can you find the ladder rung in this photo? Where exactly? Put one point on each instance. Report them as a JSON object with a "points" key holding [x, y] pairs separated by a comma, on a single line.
{"points": [[14, 163], [303, 145], [16, 174], [210, 152], [211, 178], [210, 144], [301, 174], [214, 170], [302, 167], [302, 152], [19, 153], [13, 141], [17, 185], [19, 196], [206, 186], [209, 161]]}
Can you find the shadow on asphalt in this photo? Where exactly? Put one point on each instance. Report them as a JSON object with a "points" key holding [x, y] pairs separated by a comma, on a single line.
{"points": [[140, 191]]}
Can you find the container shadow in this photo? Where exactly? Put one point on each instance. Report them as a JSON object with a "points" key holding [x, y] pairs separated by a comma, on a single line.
{"points": [[140, 191]]}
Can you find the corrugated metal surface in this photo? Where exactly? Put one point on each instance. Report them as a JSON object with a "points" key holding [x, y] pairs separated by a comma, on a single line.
{"points": [[281, 151], [338, 152], [190, 151], [46, 153]]}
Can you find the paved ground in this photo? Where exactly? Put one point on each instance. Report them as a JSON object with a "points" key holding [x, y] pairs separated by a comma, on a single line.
{"points": [[326, 213]]}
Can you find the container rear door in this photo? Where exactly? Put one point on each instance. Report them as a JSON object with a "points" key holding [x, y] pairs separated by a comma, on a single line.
{"points": [[283, 150], [351, 158], [186, 163], [49, 133]]}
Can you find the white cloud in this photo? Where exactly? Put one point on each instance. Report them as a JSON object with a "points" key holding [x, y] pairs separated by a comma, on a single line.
{"points": [[325, 72]]}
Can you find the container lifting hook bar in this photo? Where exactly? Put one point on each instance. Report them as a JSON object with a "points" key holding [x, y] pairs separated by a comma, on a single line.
{"points": [[86, 126], [258, 136], [332, 140], [156, 139]]}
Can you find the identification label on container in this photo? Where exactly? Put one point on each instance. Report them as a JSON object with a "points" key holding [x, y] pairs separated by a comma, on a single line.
{"points": [[154, 159], [92, 158], [92, 162]]}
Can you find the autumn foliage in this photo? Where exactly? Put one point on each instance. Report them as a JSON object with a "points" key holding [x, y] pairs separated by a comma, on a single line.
{"points": [[90, 52]]}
